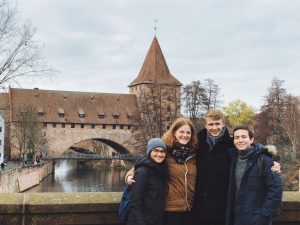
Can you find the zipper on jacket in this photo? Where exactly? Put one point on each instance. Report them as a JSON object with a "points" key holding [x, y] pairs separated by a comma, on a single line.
{"points": [[185, 183]]}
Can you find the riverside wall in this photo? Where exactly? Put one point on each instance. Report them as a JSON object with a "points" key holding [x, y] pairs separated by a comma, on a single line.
{"points": [[22, 178], [93, 208]]}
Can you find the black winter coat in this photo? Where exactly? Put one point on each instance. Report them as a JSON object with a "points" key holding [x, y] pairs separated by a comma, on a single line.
{"points": [[148, 193], [212, 178]]}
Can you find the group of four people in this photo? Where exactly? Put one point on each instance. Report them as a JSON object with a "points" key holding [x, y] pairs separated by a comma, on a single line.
{"points": [[207, 178]]}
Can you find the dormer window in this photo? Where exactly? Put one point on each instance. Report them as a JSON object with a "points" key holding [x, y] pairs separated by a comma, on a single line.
{"points": [[129, 115], [101, 114], [81, 113], [61, 112], [40, 111], [116, 115]]}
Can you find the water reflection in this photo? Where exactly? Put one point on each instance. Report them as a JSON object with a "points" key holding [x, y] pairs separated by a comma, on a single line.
{"points": [[71, 176]]}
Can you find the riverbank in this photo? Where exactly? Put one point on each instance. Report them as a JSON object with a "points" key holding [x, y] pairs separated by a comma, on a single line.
{"points": [[22, 178]]}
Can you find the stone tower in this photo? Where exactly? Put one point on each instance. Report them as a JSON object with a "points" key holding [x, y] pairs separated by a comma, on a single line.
{"points": [[158, 94]]}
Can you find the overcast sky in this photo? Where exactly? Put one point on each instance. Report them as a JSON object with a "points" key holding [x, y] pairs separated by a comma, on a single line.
{"points": [[100, 45]]}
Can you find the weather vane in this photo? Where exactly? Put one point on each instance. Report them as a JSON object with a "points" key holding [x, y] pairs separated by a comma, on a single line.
{"points": [[155, 27]]}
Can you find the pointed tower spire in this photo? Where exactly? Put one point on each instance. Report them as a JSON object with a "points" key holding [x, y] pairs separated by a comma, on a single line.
{"points": [[155, 69]]}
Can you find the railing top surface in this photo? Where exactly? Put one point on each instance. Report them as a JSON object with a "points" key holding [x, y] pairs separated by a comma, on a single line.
{"points": [[92, 156]]}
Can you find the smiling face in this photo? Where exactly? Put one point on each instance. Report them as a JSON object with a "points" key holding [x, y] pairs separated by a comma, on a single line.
{"points": [[241, 139], [183, 134], [214, 127], [158, 155]]}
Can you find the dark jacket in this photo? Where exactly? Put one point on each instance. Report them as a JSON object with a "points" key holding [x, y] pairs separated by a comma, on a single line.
{"points": [[148, 193], [259, 195], [212, 178]]}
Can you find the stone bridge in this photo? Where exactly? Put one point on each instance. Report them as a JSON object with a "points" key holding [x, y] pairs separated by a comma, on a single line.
{"points": [[61, 139], [69, 117]]}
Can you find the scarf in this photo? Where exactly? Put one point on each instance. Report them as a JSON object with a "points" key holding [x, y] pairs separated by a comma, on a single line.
{"points": [[244, 154], [212, 141], [180, 153]]}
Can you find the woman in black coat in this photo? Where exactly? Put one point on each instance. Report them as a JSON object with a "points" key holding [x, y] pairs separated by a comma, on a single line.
{"points": [[148, 192]]}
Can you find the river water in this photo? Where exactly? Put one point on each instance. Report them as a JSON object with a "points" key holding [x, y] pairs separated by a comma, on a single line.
{"points": [[69, 176]]}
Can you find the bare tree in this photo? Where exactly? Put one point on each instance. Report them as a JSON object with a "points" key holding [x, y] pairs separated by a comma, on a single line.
{"points": [[290, 126], [158, 107], [198, 98], [20, 55], [275, 101], [193, 95], [278, 121], [267, 124], [100, 148], [27, 134], [212, 98]]}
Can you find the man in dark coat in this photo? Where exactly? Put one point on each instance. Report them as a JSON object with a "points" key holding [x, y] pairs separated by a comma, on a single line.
{"points": [[255, 191], [213, 163]]}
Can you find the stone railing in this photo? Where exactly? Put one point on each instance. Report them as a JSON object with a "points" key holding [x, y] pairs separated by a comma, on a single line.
{"points": [[93, 208]]}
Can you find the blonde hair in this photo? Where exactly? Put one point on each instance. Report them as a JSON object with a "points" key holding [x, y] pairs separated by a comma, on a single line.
{"points": [[169, 137], [214, 114]]}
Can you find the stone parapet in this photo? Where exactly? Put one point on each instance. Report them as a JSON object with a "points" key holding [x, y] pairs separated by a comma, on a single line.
{"points": [[290, 210], [59, 208], [93, 208]]}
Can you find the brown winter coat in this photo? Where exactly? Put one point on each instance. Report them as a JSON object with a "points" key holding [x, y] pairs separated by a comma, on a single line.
{"points": [[181, 185]]}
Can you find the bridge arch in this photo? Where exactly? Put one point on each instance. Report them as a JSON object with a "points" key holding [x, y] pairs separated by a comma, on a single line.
{"points": [[59, 141], [87, 146], [118, 147]]}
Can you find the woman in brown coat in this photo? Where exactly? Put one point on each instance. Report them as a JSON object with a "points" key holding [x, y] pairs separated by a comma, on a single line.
{"points": [[181, 143]]}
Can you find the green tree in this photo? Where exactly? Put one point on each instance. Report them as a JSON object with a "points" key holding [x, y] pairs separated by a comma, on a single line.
{"points": [[239, 112]]}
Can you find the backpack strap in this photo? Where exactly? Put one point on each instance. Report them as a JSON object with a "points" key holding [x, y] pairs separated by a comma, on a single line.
{"points": [[260, 163]]}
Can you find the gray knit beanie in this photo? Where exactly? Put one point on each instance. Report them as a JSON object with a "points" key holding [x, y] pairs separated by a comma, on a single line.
{"points": [[154, 143]]}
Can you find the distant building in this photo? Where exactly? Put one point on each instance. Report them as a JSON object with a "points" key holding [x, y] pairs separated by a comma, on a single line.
{"points": [[2, 137], [70, 117]]}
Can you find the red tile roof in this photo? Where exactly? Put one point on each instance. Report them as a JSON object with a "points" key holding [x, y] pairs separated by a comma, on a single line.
{"points": [[71, 104], [155, 69]]}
